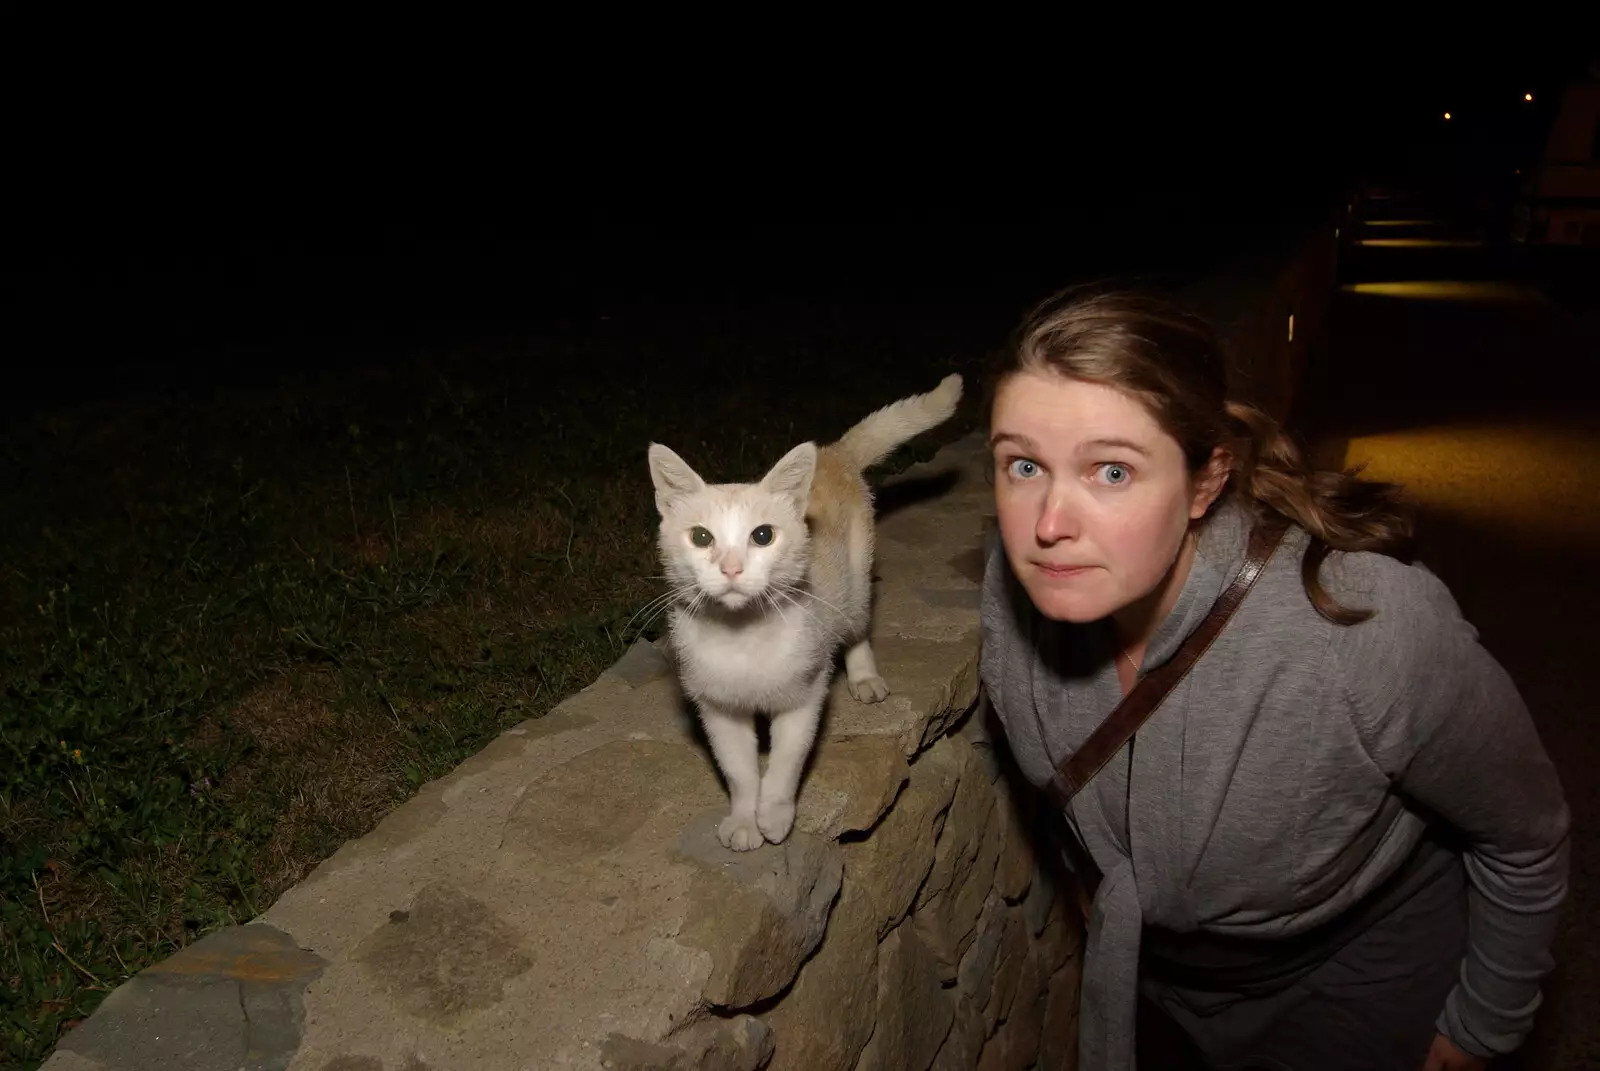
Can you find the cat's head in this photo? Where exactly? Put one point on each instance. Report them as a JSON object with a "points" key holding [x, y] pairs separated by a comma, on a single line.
{"points": [[733, 542]]}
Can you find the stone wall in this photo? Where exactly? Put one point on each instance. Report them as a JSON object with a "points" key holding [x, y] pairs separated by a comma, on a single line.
{"points": [[560, 900], [951, 945]]}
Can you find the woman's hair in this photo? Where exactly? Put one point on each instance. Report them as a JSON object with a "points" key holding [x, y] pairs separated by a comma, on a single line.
{"points": [[1173, 363]]}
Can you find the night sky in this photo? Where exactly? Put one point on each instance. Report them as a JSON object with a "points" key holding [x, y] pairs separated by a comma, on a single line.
{"points": [[160, 228]]}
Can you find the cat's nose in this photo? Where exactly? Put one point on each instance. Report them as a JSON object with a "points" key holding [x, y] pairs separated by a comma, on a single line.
{"points": [[731, 569]]}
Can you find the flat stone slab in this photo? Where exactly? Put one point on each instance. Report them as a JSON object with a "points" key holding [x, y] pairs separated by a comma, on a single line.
{"points": [[234, 999], [559, 899]]}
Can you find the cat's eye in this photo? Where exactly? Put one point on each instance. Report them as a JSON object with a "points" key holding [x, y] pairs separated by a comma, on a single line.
{"points": [[762, 536], [700, 537]]}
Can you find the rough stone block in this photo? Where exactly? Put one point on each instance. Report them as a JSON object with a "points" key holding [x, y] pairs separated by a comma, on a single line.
{"points": [[759, 914], [1008, 970], [742, 1043], [640, 664], [1014, 874], [593, 802], [981, 726], [1058, 1043], [1040, 900], [933, 681], [931, 925], [971, 891], [1063, 936], [948, 921], [446, 956], [851, 785], [964, 1042], [233, 999], [964, 825], [896, 856], [1015, 1045], [914, 1011], [975, 973], [822, 1023]]}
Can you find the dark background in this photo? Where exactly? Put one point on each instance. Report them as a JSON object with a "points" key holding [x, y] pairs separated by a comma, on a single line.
{"points": [[179, 233]]}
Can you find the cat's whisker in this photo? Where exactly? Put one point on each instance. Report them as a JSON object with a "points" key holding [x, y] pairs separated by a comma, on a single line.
{"points": [[793, 589], [645, 625], [829, 629], [768, 596], [657, 601], [655, 606], [665, 604]]}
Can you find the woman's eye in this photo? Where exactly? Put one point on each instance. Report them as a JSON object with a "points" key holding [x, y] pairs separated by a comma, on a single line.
{"points": [[1023, 469], [762, 536], [700, 537], [1114, 474]]}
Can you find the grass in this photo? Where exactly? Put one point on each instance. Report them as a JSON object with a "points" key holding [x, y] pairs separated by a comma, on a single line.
{"points": [[240, 628]]}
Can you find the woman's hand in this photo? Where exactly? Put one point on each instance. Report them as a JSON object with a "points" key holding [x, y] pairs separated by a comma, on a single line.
{"points": [[1444, 1056]]}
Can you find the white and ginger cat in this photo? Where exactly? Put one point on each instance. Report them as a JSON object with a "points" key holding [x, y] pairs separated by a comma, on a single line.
{"points": [[768, 580]]}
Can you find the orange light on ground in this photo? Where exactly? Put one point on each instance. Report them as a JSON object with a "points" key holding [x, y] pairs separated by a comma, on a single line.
{"points": [[1482, 473], [1421, 243], [1470, 290]]}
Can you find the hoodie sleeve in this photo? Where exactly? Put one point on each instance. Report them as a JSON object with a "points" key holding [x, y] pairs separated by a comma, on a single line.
{"points": [[1444, 722]]}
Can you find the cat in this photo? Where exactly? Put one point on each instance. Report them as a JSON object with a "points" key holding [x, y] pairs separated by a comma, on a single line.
{"points": [[768, 580]]}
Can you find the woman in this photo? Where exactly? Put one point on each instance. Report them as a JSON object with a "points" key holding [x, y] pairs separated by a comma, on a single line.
{"points": [[1339, 842]]}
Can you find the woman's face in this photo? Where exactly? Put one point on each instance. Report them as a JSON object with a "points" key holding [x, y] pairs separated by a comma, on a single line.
{"points": [[1093, 497]]}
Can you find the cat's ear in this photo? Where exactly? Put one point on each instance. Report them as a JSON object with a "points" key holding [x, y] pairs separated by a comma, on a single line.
{"points": [[673, 477], [791, 476]]}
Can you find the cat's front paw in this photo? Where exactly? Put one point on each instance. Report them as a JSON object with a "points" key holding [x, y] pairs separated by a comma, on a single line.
{"points": [[740, 832], [775, 819], [873, 689]]}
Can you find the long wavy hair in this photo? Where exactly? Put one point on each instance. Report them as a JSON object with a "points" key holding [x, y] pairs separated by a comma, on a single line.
{"points": [[1174, 364]]}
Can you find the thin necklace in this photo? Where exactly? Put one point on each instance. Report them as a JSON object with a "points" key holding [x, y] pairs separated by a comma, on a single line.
{"points": [[1124, 653]]}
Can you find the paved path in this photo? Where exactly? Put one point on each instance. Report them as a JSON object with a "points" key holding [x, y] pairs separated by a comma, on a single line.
{"points": [[1443, 369]]}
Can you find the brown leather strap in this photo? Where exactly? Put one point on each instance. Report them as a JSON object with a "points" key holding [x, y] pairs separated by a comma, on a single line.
{"points": [[1148, 694]]}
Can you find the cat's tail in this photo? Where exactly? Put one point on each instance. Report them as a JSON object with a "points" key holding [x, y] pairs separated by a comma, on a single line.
{"points": [[876, 437]]}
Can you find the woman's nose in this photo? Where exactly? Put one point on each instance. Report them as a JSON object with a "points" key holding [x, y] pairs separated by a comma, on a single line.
{"points": [[1057, 520]]}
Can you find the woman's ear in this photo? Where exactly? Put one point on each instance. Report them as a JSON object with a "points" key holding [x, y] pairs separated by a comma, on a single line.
{"points": [[1209, 482]]}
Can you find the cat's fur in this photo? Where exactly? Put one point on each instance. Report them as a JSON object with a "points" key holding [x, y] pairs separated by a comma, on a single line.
{"points": [[755, 628]]}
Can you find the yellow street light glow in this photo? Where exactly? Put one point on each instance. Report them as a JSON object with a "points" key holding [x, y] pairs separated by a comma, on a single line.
{"points": [[1421, 243], [1464, 290], [1447, 115], [1527, 96], [1477, 473]]}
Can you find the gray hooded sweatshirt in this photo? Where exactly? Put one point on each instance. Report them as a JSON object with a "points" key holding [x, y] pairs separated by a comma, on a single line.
{"points": [[1289, 773]]}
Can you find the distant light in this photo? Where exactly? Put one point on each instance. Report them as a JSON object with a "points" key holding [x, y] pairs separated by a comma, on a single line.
{"points": [[1421, 243], [1448, 290], [1447, 115], [1291, 327], [1527, 96]]}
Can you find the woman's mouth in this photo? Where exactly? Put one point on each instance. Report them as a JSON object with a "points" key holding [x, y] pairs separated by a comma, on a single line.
{"points": [[1062, 572]]}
